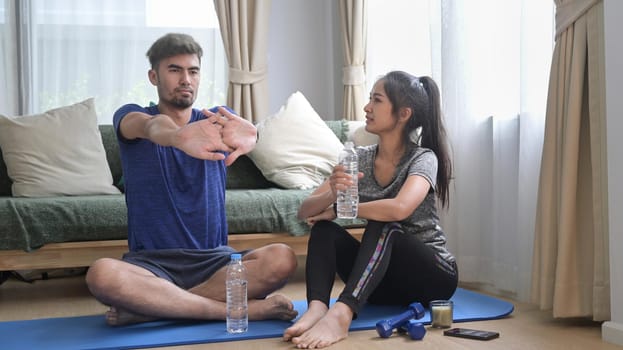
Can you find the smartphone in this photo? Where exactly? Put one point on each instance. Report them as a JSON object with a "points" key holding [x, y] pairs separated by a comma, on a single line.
{"points": [[471, 333]]}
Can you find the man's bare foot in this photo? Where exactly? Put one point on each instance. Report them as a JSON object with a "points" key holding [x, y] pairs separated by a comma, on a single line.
{"points": [[314, 312], [120, 317], [331, 328], [274, 307]]}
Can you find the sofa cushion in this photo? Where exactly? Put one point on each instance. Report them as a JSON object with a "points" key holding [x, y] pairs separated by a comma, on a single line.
{"points": [[5, 180], [111, 146], [243, 174], [296, 149], [59, 152], [265, 210], [340, 128], [29, 223]]}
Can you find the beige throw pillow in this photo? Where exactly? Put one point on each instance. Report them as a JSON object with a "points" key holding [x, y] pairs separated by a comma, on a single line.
{"points": [[296, 148], [59, 152]]}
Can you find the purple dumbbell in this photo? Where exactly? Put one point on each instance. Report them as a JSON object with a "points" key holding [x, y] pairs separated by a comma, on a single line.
{"points": [[414, 329], [385, 328]]}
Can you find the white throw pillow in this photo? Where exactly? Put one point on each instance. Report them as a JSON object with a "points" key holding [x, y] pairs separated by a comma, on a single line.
{"points": [[296, 148], [59, 152], [358, 134]]}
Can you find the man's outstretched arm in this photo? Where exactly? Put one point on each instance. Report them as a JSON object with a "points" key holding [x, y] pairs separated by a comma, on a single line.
{"points": [[237, 133], [201, 139]]}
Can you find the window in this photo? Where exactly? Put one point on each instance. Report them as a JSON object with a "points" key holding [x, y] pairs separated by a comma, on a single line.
{"points": [[494, 55], [72, 50], [2, 12], [402, 43]]}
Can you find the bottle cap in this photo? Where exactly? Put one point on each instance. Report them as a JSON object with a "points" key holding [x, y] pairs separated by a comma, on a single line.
{"points": [[236, 256]]}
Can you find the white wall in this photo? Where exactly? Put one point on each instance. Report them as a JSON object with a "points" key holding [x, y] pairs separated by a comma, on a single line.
{"points": [[613, 13], [304, 54]]}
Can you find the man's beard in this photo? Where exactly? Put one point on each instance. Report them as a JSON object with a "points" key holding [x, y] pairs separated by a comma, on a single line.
{"points": [[182, 102]]}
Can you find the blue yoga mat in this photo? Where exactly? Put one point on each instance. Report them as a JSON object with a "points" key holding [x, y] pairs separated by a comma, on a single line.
{"points": [[91, 332]]}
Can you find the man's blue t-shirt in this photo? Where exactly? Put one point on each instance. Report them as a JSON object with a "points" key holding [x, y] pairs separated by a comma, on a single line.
{"points": [[173, 199]]}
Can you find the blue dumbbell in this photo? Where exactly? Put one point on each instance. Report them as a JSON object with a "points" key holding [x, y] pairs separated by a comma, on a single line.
{"points": [[385, 328], [414, 329]]}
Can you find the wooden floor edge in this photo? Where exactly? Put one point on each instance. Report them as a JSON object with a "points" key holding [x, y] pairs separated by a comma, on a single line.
{"points": [[78, 254]]}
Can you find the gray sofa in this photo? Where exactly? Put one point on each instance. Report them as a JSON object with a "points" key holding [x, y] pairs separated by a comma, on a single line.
{"points": [[33, 229]]}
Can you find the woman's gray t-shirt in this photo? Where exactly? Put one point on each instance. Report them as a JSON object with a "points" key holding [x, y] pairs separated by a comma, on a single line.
{"points": [[424, 221]]}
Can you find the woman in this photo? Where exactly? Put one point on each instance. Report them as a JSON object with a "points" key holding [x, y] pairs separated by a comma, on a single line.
{"points": [[402, 257]]}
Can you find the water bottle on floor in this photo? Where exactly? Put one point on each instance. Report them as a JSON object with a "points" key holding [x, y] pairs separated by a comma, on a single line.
{"points": [[348, 199], [236, 286]]}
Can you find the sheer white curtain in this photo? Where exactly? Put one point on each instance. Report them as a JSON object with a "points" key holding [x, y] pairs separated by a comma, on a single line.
{"points": [[69, 50], [8, 62], [399, 37], [495, 66], [491, 60]]}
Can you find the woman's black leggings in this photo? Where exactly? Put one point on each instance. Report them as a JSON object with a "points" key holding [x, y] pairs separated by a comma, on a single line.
{"points": [[388, 266]]}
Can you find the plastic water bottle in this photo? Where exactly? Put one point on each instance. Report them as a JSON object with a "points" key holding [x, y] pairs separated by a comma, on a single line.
{"points": [[236, 285], [348, 199]]}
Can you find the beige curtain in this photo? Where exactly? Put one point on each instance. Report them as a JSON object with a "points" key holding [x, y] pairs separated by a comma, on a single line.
{"points": [[244, 28], [570, 271], [353, 22]]}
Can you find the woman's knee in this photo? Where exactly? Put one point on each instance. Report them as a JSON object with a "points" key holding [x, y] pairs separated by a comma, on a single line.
{"points": [[325, 231], [323, 226]]}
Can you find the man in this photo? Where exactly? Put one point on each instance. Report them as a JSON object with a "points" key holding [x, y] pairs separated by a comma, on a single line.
{"points": [[174, 160]]}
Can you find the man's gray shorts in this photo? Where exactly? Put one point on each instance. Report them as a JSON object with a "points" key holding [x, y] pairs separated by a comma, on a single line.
{"points": [[186, 268]]}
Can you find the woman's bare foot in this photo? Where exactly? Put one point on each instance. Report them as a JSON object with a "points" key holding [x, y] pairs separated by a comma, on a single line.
{"points": [[120, 317], [331, 328], [314, 312], [274, 307]]}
